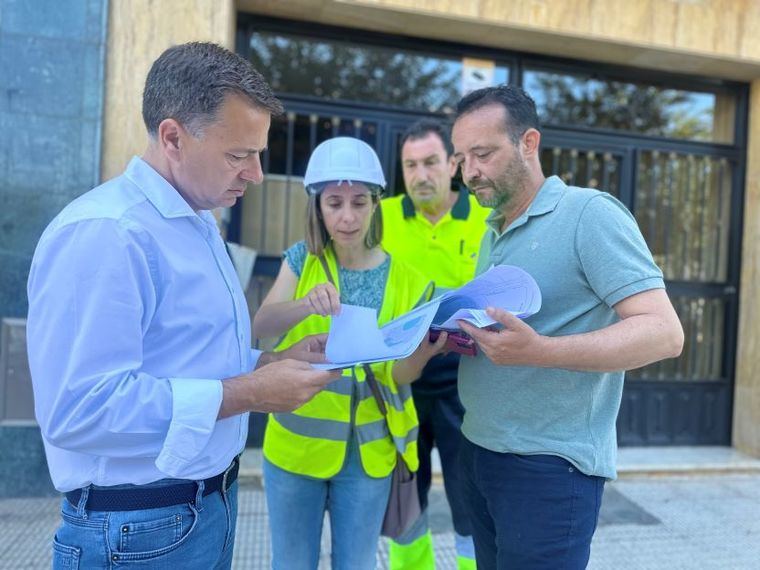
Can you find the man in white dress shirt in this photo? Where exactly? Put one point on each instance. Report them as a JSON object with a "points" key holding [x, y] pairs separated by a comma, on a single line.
{"points": [[139, 335]]}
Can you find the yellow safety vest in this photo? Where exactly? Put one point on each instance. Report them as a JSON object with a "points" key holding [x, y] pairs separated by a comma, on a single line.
{"points": [[313, 439], [445, 252]]}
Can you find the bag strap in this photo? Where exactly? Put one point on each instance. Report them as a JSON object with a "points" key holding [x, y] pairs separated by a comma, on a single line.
{"points": [[375, 389], [326, 269]]}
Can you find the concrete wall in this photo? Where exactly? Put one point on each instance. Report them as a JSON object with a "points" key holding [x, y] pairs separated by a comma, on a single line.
{"points": [[746, 432]]}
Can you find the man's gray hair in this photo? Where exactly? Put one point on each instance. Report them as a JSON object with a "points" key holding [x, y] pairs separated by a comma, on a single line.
{"points": [[189, 82]]}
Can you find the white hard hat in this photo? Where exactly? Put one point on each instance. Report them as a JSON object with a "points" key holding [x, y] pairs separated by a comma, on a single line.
{"points": [[343, 159]]}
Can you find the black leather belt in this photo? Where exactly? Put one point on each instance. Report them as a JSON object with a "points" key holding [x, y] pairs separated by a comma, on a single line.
{"points": [[139, 498]]}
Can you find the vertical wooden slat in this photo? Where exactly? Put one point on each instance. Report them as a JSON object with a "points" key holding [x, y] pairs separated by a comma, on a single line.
{"points": [[288, 179], [313, 118], [702, 205], [606, 171], [573, 166], [556, 151]]}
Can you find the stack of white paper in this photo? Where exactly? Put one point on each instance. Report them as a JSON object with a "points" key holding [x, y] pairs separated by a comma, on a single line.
{"points": [[355, 338]]}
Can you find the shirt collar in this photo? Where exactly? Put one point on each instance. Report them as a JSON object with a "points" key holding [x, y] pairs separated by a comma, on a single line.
{"points": [[545, 201], [548, 196], [164, 197], [459, 211]]}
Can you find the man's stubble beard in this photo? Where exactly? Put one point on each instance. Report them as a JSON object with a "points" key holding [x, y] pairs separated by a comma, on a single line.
{"points": [[506, 186]]}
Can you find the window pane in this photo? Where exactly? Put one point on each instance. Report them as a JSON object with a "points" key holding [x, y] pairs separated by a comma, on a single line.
{"points": [[372, 74], [578, 100]]}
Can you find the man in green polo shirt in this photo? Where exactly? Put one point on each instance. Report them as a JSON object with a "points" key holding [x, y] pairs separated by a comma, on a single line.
{"points": [[438, 231], [542, 395]]}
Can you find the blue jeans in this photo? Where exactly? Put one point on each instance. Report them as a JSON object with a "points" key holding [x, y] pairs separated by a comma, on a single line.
{"points": [[440, 419], [297, 504], [199, 535], [529, 512]]}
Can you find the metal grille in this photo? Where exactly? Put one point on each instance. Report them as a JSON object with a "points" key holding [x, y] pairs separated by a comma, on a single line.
{"points": [[683, 209], [272, 217], [703, 321], [587, 168]]}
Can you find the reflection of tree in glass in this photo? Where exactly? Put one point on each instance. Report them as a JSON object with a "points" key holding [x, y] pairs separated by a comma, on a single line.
{"points": [[643, 109], [341, 71]]}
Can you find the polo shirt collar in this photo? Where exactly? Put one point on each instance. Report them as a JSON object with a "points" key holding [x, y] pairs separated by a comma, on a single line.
{"points": [[459, 211], [545, 201], [461, 208], [548, 196], [164, 197]]}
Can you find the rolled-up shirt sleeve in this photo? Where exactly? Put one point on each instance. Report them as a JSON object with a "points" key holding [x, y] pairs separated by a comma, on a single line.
{"points": [[91, 298]]}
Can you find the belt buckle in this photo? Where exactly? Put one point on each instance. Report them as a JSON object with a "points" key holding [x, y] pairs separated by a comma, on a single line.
{"points": [[227, 472]]}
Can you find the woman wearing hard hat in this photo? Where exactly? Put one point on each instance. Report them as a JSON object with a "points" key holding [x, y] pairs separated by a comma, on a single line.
{"points": [[336, 453]]}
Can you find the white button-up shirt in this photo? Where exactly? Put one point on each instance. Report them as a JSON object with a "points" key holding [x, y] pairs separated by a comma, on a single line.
{"points": [[135, 317]]}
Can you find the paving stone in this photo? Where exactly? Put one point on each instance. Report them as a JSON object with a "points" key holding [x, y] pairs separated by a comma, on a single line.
{"points": [[662, 523]]}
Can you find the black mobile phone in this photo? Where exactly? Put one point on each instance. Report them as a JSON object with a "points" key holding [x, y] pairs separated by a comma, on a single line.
{"points": [[457, 341]]}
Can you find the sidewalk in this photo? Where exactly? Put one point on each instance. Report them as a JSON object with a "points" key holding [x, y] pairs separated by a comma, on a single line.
{"points": [[662, 522]]}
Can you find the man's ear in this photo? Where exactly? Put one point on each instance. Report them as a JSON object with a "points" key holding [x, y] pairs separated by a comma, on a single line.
{"points": [[453, 166], [530, 142], [170, 138]]}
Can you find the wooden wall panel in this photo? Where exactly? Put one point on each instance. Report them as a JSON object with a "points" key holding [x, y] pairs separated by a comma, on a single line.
{"points": [[718, 27], [138, 31]]}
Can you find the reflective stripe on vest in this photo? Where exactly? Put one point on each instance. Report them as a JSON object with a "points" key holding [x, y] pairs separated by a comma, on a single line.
{"points": [[345, 384], [339, 431]]}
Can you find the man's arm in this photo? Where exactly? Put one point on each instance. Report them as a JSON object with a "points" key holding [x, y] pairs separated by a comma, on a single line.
{"points": [[90, 301], [280, 382], [649, 330], [281, 386], [90, 297]]}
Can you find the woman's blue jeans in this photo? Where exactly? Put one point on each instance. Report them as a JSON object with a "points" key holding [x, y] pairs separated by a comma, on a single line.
{"points": [[355, 501], [199, 535]]}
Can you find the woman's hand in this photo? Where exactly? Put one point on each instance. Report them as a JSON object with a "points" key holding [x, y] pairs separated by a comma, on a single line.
{"points": [[323, 300], [409, 369]]}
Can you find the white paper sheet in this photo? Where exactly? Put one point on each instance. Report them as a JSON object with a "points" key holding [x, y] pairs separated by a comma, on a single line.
{"points": [[355, 338], [504, 286]]}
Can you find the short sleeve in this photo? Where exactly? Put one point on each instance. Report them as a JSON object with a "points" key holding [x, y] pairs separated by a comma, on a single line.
{"points": [[613, 254], [295, 255]]}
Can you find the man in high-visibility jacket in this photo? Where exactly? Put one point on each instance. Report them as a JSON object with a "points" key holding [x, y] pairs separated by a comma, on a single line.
{"points": [[437, 230]]}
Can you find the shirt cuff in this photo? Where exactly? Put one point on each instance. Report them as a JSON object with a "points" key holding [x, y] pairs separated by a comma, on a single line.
{"points": [[195, 408], [631, 289], [255, 354]]}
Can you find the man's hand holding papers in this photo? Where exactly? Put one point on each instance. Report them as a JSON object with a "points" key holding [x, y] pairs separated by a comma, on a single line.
{"points": [[515, 344]]}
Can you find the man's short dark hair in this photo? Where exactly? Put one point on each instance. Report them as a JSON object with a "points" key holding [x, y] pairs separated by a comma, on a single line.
{"points": [[519, 106], [189, 82], [425, 127]]}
